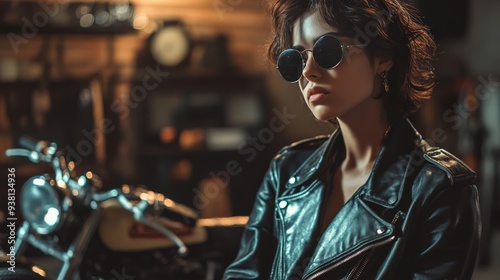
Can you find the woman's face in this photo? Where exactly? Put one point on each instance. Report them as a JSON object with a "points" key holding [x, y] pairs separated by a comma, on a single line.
{"points": [[335, 92]]}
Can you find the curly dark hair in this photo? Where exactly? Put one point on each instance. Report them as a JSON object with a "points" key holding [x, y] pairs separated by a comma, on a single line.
{"points": [[391, 28]]}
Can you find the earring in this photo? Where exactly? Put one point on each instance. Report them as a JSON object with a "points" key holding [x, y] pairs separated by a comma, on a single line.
{"points": [[385, 83]]}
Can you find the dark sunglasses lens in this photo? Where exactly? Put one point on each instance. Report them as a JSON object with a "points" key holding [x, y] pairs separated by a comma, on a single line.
{"points": [[290, 65], [327, 52]]}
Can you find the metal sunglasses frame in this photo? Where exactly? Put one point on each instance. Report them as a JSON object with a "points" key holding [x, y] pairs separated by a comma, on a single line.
{"points": [[304, 59]]}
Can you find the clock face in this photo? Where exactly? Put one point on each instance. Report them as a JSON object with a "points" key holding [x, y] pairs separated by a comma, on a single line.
{"points": [[170, 46]]}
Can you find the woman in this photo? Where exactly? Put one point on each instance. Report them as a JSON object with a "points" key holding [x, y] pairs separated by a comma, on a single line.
{"points": [[374, 200]]}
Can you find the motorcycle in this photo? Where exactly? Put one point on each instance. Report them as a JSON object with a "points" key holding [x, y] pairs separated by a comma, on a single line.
{"points": [[128, 232]]}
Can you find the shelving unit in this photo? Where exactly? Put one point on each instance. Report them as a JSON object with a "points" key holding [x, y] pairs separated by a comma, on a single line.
{"points": [[115, 51], [203, 103]]}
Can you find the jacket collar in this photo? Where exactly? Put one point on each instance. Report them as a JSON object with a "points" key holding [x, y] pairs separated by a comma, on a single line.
{"points": [[394, 163]]}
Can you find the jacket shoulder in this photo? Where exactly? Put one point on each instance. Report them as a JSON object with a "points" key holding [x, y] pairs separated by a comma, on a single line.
{"points": [[305, 144], [457, 171]]}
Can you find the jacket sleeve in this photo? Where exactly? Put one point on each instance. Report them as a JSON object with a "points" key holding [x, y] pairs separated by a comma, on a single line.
{"points": [[447, 241], [258, 245]]}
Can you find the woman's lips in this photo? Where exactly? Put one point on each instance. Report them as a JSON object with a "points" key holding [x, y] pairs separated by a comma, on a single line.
{"points": [[316, 94]]}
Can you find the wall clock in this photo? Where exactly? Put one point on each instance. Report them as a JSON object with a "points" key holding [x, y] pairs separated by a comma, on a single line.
{"points": [[170, 45]]}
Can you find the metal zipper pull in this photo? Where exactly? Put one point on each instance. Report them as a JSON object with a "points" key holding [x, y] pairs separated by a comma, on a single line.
{"points": [[396, 222], [363, 262]]}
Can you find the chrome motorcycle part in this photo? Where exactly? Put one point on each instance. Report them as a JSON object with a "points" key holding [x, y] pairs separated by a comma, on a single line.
{"points": [[43, 204]]}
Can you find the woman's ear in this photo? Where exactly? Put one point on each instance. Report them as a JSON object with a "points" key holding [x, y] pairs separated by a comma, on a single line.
{"points": [[384, 64]]}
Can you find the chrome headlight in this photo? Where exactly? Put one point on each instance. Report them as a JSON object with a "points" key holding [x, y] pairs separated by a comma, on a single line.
{"points": [[43, 204]]}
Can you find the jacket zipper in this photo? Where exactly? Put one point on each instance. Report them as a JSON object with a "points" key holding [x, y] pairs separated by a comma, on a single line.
{"points": [[361, 265], [377, 244], [363, 262]]}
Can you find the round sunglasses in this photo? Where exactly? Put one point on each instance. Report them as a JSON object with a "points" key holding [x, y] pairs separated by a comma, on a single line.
{"points": [[328, 52]]}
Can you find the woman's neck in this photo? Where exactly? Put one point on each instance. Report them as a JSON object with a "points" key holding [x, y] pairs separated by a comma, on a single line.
{"points": [[362, 135]]}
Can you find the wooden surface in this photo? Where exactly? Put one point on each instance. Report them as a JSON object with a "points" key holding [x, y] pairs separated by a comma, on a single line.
{"points": [[244, 22]]}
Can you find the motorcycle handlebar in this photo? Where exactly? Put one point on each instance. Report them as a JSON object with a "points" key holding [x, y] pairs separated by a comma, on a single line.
{"points": [[165, 207], [139, 211], [151, 206], [30, 143], [178, 213], [35, 151]]}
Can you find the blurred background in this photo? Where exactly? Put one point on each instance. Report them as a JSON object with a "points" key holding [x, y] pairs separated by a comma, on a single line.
{"points": [[179, 94]]}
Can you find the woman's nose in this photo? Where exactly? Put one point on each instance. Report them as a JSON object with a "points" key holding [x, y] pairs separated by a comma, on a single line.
{"points": [[311, 70]]}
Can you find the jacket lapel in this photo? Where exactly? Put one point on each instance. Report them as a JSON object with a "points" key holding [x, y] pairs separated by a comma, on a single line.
{"points": [[357, 227], [351, 232], [317, 162]]}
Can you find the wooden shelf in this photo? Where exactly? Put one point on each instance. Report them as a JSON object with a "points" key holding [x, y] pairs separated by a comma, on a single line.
{"points": [[63, 30]]}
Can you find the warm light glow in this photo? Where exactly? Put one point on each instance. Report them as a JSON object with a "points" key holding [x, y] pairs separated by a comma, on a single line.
{"points": [[71, 165], [169, 203], [82, 10], [147, 197], [168, 134], [182, 170], [140, 21], [126, 189], [192, 138], [52, 216], [160, 197], [224, 221], [61, 184], [151, 27], [89, 175], [38, 271]]}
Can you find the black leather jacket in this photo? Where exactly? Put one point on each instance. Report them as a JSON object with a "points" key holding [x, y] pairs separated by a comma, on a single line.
{"points": [[416, 217]]}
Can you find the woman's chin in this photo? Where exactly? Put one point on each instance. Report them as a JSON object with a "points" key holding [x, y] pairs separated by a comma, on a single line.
{"points": [[324, 116]]}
